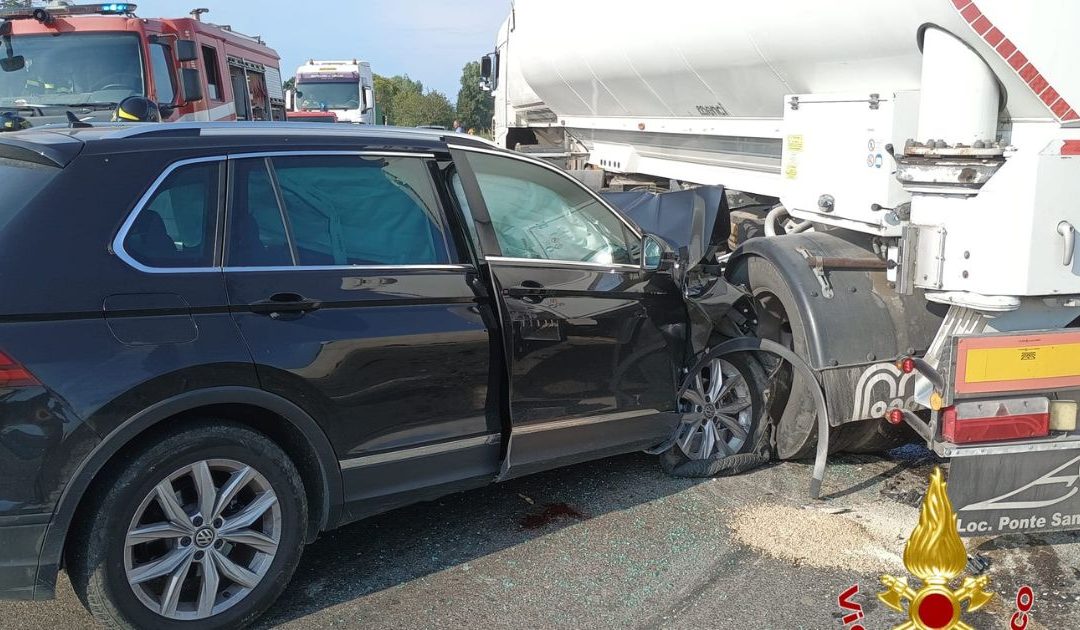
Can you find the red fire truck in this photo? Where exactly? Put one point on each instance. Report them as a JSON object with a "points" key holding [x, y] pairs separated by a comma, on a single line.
{"points": [[84, 59]]}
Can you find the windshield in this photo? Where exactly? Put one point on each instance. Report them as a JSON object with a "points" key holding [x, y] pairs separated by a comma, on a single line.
{"points": [[73, 69], [329, 95]]}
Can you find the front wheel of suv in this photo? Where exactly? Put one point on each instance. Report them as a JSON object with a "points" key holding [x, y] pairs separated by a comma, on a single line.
{"points": [[724, 428], [201, 529]]}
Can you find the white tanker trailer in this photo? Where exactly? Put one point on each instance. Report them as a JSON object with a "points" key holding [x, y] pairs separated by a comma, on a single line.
{"points": [[927, 154]]}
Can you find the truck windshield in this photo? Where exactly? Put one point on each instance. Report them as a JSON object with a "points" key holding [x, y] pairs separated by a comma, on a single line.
{"points": [[72, 69], [329, 95]]}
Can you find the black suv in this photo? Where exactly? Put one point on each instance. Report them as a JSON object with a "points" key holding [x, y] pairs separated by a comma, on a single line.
{"points": [[218, 341]]}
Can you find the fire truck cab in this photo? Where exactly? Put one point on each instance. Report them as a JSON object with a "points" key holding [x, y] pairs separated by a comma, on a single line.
{"points": [[84, 59]]}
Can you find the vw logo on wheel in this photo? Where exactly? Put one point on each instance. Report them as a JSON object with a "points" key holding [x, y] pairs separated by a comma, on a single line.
{"points": [[204, 537]]}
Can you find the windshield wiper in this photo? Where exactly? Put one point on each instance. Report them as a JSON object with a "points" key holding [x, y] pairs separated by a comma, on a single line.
{"points": [[36, 109], [92, 105]]}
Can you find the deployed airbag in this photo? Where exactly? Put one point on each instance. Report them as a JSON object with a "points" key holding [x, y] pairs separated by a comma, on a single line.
{"points": [[697, 219]]}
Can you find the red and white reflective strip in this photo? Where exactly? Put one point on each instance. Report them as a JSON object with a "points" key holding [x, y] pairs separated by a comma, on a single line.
{"points": [[1019, 62]]}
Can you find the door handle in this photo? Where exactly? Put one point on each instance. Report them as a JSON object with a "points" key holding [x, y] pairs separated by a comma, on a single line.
{"points": [[285, 303], [529, 291], [1068, 234]]}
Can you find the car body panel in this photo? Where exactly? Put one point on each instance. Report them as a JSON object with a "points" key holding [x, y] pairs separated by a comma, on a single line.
{"points": [[407, 383], [589, 372]]}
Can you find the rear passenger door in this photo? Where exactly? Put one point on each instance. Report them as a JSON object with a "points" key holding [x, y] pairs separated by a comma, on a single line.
{"points": [[356, 306]]}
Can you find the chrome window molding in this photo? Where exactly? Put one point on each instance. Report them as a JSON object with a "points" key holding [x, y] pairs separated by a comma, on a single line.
{"points": [[350, 268], [121, 235], [571, 423], [420, 451], [521, 158], [547, 262]]}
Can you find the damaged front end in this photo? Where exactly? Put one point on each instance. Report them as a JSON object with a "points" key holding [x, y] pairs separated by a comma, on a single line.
{"points": [[717, 331]]}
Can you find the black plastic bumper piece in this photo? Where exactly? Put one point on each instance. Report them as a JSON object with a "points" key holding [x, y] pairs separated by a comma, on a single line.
{"points": [[20, 546]]}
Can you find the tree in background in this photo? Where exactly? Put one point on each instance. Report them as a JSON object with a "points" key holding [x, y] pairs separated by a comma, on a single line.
{"points": [[290, 84], [405, 103], [475, 107], [15, 4]]}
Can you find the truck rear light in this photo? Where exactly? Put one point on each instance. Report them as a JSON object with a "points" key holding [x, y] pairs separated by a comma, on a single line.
{"points": [[12, 374], [996, 420], [1063, 415]]}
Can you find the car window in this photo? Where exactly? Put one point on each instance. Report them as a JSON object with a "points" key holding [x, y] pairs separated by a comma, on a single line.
{"points": [[176, 227], [354, 210], [257, 236], [539, 213], [162, 68]]}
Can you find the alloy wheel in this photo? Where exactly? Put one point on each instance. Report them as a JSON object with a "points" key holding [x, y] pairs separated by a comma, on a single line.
{"points": [[717, 412], [203, 539]]}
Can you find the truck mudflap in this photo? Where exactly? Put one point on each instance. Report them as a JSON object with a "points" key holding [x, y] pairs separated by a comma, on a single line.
{"points": [[1016, 384], [1016, 489]]}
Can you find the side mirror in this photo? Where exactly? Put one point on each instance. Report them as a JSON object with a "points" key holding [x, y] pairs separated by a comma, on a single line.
{"points": [[187, 50], [489, 72], [191, 80], [486, 66], [369, 98], [656, 254], [13, 64]]}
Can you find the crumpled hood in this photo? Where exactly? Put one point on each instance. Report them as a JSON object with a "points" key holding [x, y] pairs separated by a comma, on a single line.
{"points": [[696, 223], [695, 219]]}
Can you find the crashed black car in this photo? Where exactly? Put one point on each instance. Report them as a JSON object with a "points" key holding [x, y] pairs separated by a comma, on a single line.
{"points": [[218, 341]]}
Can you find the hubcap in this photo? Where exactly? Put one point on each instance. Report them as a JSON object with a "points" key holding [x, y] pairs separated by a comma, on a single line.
{"points": [[205, 537], [717, 412], [202, 539]]}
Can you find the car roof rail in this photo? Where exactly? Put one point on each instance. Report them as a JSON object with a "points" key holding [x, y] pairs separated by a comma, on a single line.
{"points": [[149, 130]]}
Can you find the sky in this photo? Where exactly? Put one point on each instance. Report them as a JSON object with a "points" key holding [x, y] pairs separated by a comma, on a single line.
{"points": [[430, 40]]}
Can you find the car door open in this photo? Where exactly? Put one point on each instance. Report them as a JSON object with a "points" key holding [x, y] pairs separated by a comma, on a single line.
{"points": [[590, 370]]}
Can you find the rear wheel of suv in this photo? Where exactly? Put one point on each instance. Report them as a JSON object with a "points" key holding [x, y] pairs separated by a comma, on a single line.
{"points": [[201, 529]]}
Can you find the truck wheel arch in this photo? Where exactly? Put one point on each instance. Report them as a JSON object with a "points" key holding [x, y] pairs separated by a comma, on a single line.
{"points": [[859, 327], [838, 328]]}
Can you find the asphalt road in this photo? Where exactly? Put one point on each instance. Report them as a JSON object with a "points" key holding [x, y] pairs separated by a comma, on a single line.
{"points": [[618, 544]]}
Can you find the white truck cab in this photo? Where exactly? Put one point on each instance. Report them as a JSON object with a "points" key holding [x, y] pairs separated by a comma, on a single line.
{"points": [[346, 88]]}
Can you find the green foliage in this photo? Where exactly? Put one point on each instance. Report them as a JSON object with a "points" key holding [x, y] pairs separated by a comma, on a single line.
{"points": [[475, 107], [15, 4], [290, 84], [406, 104]]}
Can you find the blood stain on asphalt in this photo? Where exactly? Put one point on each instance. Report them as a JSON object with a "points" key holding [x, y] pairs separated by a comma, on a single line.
{"points": [[550, 514]]}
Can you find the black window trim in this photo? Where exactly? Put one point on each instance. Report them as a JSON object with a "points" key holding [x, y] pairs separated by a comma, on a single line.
{"points": [[121, 235], [552, 262]]}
